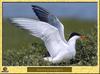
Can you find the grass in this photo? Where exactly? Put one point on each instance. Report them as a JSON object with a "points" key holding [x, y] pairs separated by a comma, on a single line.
{"points": [[18, 49]]}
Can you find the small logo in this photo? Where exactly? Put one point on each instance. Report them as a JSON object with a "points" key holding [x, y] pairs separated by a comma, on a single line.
{"points": [[5, 69]]}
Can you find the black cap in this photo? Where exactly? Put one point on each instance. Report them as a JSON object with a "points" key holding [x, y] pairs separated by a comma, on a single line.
{"points": [[74, 34]]}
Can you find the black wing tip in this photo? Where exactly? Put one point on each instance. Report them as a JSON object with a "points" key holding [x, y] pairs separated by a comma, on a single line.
{"points": [[35, 6]]}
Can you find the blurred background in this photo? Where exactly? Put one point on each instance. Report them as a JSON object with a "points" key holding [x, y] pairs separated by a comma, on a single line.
{"points": [[18, 43], [65, 10]]}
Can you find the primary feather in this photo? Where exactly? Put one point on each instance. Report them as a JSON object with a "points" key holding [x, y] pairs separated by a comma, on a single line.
{"points": [[37, 28], [46, 16]]}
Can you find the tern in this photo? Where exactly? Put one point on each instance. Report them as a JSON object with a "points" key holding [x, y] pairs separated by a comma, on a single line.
{"points": [[49, 29]]}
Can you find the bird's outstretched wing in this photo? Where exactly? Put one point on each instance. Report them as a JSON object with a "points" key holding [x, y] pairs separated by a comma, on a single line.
{"points": [[43, 30], [46, 16], [36, 28]]}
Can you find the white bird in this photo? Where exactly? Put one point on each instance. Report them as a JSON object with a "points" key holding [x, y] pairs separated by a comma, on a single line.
{"points": [[51, 31]]}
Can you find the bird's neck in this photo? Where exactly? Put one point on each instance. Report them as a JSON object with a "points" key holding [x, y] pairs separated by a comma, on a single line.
{"points": [[72, 43]]}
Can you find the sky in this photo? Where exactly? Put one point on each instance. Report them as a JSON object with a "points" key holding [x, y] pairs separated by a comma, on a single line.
{"points": [[68, 10]]}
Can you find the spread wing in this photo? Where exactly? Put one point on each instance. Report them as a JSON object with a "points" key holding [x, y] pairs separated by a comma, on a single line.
{"points": [[45, 16], [36, 28], [39, 29]]}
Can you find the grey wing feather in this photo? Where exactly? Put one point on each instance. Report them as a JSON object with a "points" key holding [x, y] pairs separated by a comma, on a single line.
{"points": [[36, 28], [46, 16]]}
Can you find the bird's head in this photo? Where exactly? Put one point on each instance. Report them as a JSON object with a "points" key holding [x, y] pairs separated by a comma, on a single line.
{"points": [[75, 35]]}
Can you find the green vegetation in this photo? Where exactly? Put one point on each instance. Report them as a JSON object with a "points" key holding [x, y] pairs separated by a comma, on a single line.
{"points": [[18, 49]]}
